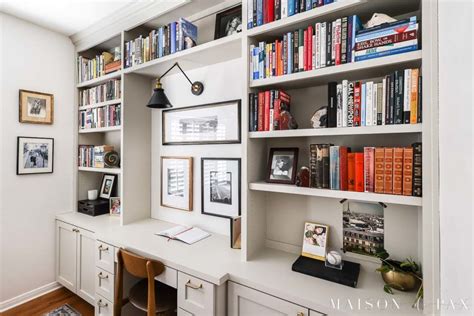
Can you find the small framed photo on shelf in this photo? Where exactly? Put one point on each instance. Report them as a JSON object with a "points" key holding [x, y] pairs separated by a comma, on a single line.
{"points": [[315, 241], [220, 187], [177, 182], [34, 155], [282, 164], [235, 232], [36, 107], [108, 186], [115, 206], [228, 22]]}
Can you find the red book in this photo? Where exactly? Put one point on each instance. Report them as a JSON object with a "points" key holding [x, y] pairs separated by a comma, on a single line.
{"points": [[343, 172], [310, 47], [388, 171], [276, 114], [369, 169], [379, 169], [277, 58], [305, 50], [397, 170], [357, 103], [359, 172], [261, 111], [270, 11], [408, 171], [266, 115], [351, 171], [338, 41]]}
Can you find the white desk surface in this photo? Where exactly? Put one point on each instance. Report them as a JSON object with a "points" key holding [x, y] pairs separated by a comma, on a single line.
{"points": [[213, 260]]}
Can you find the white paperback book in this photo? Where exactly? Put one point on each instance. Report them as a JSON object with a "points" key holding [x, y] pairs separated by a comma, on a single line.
{"points": [[189, 235]]}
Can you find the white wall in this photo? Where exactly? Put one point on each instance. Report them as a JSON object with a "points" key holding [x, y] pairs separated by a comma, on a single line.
{"points": [[456, 159], [40, 60]]}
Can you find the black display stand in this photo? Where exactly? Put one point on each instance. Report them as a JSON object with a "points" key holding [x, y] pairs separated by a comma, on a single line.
{"points": [[347, 276]]}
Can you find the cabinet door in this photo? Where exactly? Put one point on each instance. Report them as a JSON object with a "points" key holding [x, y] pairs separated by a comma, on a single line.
{"points": [[86, 265], [244, 301], [66, 255]]}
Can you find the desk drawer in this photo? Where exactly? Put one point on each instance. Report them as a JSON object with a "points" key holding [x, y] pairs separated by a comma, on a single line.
{"points": [[104, 284], [182, 312], [195, 295], [169, 277], [103, 307], [105, 256]]}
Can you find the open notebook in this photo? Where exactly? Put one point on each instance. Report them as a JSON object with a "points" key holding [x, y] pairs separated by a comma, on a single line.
{"points": [[189, 235]]}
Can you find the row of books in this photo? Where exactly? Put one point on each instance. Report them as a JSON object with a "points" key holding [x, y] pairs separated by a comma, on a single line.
{"points": [[265, 11], [165, 40], [92, 68], [105, 116], [93, 156], [101, 93], [265, 108], [395, 100], [389, 170]]}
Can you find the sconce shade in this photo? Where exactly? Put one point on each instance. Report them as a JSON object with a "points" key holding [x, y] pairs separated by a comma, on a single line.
{"points": [[159, 100]]}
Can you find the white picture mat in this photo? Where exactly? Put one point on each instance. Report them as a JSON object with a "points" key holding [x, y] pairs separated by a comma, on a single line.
{"points": [[107, 178], [175, 201], [26, 140], [315, 250]]}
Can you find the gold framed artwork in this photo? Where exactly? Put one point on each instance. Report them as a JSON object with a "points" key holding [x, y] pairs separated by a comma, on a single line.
{"points": [[315, 241], [36, 107], [177, 183]]}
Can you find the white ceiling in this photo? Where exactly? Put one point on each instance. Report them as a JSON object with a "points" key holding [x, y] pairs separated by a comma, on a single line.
{"points": [[64, 16]]}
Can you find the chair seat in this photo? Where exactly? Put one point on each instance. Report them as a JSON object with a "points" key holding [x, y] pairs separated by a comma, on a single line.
{"points": [[165, 296]]}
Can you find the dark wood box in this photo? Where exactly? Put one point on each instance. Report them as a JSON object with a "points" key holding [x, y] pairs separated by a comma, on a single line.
{"points": [[93, 207]]}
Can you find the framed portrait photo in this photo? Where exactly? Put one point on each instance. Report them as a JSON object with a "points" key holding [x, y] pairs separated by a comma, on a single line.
{"points": [[108, 186], [177, 182], [315, 240], [228, 22], [115, 206], [217, 123], [36, 107], [34, 155], [282, 164], [220, 187]]}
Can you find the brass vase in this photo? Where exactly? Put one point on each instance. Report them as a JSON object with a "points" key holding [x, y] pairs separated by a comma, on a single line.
{"points": [[401, 281]]}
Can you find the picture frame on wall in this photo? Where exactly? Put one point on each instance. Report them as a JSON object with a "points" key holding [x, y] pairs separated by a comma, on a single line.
{"points": [[282, 165], [35, 155], [36, 107], [216, 123], [177, 183], [115, 206], [108, 186], [228, 22], [315, 240], [220, 187]]}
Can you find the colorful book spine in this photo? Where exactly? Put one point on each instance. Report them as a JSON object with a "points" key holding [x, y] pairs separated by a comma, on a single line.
{"points": [[397, 170], [388, 171], [343, 168], [334, 167], [359, 172], [407, 186], [379, 170], [357, 103], [369, 169], [351, 171], [417, 170]]}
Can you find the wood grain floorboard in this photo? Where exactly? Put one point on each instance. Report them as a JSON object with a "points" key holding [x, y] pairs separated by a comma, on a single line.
{"points": [[48, 302]]}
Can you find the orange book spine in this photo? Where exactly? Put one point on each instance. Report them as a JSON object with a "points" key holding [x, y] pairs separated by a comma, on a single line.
{"points": [[388, 171], [351, 171], [397, 171], [359, 172], [379, 169], [343, 168], [414, 96], [408, 171]]}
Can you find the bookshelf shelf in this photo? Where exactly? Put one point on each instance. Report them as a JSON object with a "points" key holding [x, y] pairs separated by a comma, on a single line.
{"points": [[101, 170], [344, 131], [336, 194], [99, 80], [100, 129], [353, 71], [100, 104]]}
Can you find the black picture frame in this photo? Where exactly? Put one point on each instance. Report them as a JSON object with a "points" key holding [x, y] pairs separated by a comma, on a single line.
{"points": [[294, 165], [224, 17], [239, 187], [235, 232], [50, 159], [217, 142], [113, 190]]}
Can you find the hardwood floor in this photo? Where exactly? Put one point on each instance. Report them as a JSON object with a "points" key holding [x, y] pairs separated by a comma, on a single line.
{"points": [[50, 301]]}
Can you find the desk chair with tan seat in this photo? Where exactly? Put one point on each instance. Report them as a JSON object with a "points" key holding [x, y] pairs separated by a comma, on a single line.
{"points": [[148, 294]]}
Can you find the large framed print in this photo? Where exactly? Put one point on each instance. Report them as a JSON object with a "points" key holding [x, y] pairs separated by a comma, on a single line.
{"points": [[177, 182], [217, 123], [220, 187], [34, 155]]}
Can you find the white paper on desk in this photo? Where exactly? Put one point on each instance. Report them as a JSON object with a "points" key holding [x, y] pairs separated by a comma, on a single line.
{"points": [[189, 235]]}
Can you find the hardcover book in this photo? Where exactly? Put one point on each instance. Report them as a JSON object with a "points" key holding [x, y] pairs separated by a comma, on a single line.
{"points": [[397, 170], [369, 169], [417, 170], [407, 187], [334, 167], [359, 172], [388, 171], [343, 168], [379, 169]]}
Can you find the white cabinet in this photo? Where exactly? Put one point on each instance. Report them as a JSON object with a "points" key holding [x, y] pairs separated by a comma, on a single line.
{"points": [[75, 267], [244, 301]]}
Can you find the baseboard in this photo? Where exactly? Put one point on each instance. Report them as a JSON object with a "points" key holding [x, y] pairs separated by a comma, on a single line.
{"points": [[28, 296], [278, 245]]}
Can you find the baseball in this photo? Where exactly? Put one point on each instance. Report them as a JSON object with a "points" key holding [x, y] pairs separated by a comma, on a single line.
{"points": [[334, 258]]}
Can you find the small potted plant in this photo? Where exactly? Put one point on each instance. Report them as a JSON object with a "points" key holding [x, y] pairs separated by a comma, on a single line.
{"points": [[400, 275]]}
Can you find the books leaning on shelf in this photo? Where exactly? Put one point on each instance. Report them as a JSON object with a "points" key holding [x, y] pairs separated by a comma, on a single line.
{"points": [[91, 68], [189, 235], [388, 170], [165, 40], [104, 92], [93, 156], [105, 116], [265, 109]]}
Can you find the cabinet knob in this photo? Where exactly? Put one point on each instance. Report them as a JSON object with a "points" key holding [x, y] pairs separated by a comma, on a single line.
{"points": [[100, 304], [300, 314], [102, 276], [193, 286], [102, 248]]}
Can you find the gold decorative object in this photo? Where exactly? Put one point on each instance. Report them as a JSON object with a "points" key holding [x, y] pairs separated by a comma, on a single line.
{"points": [[401, 281]]}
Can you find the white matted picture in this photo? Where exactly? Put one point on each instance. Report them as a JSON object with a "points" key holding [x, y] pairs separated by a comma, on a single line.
{"points": [[34, 155], [108, 186], [220, 186], [217, 123], [315, 239], [177, 182], [115, 206], [36, 107], [282, 164]]}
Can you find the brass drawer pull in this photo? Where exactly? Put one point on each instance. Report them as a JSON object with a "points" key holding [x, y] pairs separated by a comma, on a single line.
{"points": [[102, 248], [101, 276], [100, 304], [300, 314], [193, 286]]}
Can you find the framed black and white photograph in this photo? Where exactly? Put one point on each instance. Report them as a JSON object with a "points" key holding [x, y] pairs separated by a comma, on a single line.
{"points": [[220, 186], [217, 123], [34, 155], [108, 186], [282, 164], [228, 22], [177, 183], [36, 107]]}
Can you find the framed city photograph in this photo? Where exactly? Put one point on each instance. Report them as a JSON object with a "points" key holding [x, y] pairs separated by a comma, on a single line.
{"points": [[36, 107], [177, 182], [220, 186], [34, 155], [108, 186], [115, 206], [217, 123], [282, 164], [315, 241], [228, 22]]}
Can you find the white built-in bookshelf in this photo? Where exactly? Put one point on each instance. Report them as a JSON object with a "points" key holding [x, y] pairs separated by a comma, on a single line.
{"points": [[274, 214]]}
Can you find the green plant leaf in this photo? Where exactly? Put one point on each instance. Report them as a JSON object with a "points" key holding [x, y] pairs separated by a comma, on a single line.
{"points": [[383, 269], [387, 289]]}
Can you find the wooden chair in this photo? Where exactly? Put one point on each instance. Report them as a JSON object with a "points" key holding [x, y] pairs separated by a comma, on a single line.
{"points": [[148, 294]]}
